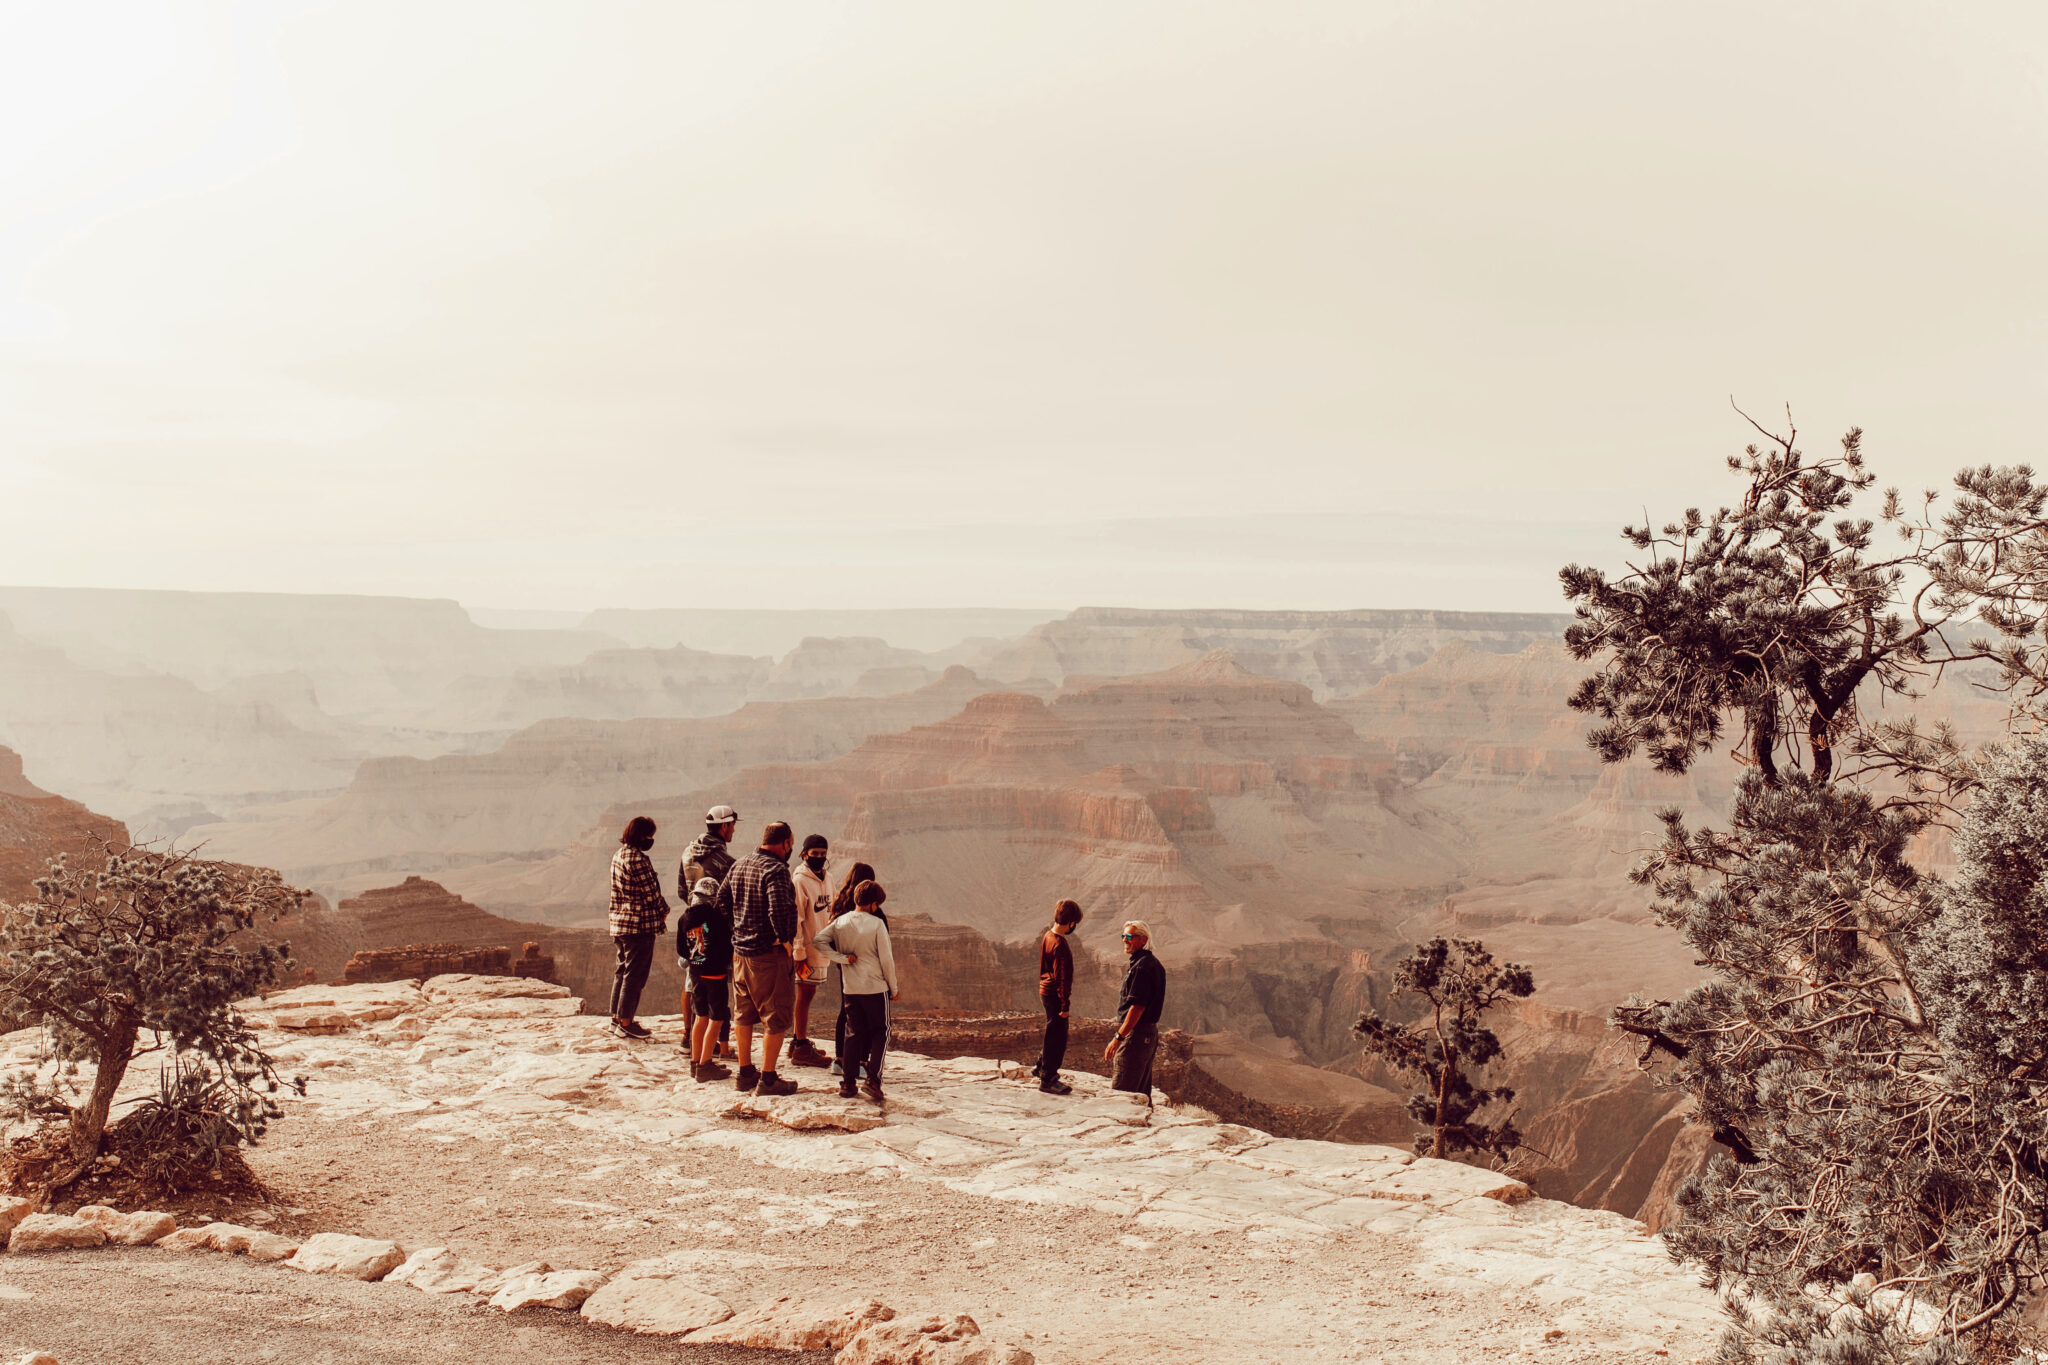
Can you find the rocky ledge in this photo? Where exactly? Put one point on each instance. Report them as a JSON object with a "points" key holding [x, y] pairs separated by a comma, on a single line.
{"points": [[1086, 1228]]}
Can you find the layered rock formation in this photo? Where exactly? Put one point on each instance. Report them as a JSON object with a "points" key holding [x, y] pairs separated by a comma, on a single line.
{"points": [[1334, 653], [36, 827], [554, 781]]}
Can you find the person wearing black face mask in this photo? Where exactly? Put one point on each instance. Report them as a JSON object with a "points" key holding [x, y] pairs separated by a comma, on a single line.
{"points": [[812, 900]]}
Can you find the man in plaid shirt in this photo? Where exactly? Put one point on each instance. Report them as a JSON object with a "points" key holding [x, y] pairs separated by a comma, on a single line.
{"points": [[761, 898], [638, 915]]}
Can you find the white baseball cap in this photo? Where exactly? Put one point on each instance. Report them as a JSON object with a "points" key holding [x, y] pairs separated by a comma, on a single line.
{"points": [[720, 815]]}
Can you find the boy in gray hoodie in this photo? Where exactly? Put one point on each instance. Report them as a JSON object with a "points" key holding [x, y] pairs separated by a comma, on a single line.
{"points": [[859, 943]]}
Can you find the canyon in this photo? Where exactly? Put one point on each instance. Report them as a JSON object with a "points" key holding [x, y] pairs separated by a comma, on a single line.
{"points": [[1291, 800]]}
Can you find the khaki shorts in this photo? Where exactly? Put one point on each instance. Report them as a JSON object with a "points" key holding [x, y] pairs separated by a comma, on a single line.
{"points": [[764, 990]]}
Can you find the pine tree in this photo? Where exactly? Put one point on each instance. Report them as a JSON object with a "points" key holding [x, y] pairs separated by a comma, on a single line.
{"points": [[1867, 1072], [1459, 980], [143, 946]]}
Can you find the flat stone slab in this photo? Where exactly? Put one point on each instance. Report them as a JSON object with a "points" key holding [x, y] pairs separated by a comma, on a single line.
{"points": [[791, 1324], [337, 1253], [655, 1303], [232, 1239], [561, 1289]]}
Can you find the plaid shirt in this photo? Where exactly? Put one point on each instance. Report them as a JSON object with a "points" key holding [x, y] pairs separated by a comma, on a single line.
{"points": [[761, 898], [638, 906]]}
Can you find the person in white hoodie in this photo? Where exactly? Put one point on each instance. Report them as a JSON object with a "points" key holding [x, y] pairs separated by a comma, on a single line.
{"points": [[859, 943], [812, 898]]}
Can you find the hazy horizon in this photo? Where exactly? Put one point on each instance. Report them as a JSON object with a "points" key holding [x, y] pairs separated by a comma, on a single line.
{"points": [[550, 308]]}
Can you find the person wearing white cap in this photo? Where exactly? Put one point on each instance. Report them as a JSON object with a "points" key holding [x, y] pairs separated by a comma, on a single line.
{"points": [[1136, 1040], [707, 856]]}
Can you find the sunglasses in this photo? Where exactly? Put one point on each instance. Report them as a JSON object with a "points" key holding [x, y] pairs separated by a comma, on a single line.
{"points": [[1129, 937]]}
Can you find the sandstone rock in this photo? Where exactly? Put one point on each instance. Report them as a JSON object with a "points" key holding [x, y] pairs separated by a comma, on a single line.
{"points": [[556, 1289], [654, 1302], [54, 1232], [139, 1229], [314, 1021], [437, 1270], [806, 1112], [231, 1239], [35, 1358], [337, 1253], [12, 1210], [791, 1324], [934, 1341], [495, 1280]]}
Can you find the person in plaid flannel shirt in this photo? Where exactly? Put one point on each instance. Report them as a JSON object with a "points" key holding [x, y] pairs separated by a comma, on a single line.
{"points": [[639, 915]]}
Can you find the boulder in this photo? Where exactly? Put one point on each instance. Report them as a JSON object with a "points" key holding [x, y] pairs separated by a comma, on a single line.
{"points": [[791, 1324], [337, 1253], [12, 1210], [139, 1229], [492, 1282], [655, 1302], [231, 1239], [54, 1232], [557, 1289], [934, 1341], [437, 1270]]}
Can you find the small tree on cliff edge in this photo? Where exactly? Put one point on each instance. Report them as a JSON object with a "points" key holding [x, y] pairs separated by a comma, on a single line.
{"points": [[142, 946], [1460, 981]]}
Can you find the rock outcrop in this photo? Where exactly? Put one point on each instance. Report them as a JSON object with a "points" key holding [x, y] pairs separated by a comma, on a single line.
{"points": [[417, 962], [36, 826]]}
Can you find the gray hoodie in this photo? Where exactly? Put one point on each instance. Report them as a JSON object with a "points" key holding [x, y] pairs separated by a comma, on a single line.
{"points": [[865, 936]]}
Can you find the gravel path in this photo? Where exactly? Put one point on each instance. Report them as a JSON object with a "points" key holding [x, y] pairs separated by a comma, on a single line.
{"points": [[113, 1307]]}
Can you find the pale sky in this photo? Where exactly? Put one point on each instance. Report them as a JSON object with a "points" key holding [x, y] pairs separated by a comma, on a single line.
{"points": [[874, 305]]}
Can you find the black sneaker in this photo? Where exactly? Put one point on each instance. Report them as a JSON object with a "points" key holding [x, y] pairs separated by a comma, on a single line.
{"points": [[1055, 1086], [846, 1090], [746, 1080], [772, 1084], [630, 1028]]}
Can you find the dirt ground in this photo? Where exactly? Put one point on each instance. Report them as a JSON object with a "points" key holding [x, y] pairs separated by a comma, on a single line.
{"points": [[116, 1307]]}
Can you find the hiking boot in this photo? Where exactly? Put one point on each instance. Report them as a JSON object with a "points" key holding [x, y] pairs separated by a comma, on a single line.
{"points": [[628, 1028], [846, 1090], [711, 1071], [804, 1052], [873, 1090], [1055, 1086], [746, 1080], [772, 1084]]}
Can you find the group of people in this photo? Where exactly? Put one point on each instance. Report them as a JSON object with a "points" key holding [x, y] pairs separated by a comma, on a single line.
{"points": [[757, 937]]}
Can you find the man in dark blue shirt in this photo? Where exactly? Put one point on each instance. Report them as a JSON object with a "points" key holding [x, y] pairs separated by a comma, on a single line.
{"points": [[1136, 1040]]}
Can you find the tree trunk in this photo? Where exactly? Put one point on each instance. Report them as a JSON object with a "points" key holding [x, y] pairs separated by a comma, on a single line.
{"points": [[1443, 1100], [89, 1122]]}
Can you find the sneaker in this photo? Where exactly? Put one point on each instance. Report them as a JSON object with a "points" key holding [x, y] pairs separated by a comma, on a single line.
{"points": [[711, 1071], [628, 1028], [804, 1052], [873, 1091], [772, 1084], [1055, 1086], [846, 1090], [837, 1069], [746, 1080]]}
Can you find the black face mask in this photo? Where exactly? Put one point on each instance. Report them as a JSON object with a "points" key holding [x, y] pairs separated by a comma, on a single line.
{"points": [[816, 862]]}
